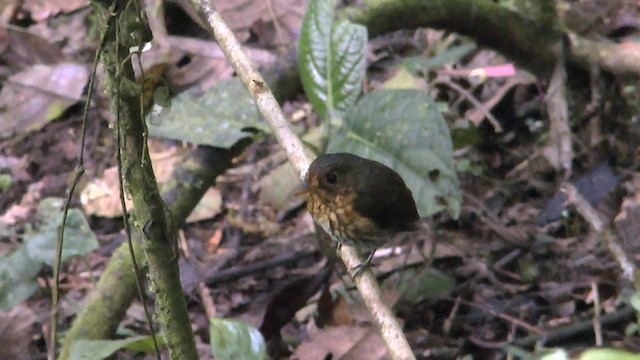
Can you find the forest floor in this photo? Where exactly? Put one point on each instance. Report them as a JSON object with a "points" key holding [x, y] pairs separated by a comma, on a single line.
{"points": [[520, 265]]}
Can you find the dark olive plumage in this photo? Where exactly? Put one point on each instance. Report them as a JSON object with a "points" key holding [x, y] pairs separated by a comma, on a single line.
{"points": [[360, 202]]}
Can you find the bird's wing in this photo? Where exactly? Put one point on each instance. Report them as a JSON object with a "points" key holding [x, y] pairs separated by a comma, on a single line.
{"points": [[385, 198]]}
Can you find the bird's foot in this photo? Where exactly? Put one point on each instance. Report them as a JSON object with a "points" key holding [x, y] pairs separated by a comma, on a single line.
{"points": [[357, 270]]}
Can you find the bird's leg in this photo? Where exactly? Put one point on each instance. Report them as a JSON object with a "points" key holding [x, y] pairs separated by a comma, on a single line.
{"points": [[357, 270], [335, 244], [367, 262]]}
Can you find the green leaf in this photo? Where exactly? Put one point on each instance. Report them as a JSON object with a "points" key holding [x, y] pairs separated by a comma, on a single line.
{"points": [[634, 301], [608, 354], [403, 79], [405, 130], [17, 278], [521, 354], [277, 187], [220, 117], [232, 340], [430, 284], [420, 64], [161, 96], [632, 329], [332, 60], [102, 349], [18, 270], [556, 354], [5, 182], [79, 240], [462, 137]]}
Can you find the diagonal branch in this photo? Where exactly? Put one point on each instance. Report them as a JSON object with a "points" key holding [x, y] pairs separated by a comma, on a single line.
{"points": [[267, 105]]}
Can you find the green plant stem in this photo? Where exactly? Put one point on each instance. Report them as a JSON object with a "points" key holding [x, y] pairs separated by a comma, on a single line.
{"points": [[114, 293], [531, 45], [486, 22], [107, 304], [150, 217]]}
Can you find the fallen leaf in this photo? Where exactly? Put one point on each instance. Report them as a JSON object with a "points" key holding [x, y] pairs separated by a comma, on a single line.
{"points": [[39, 94], [334, 340], [19, 212], [594, 185], [17, 167], [333, 312], [370, 347], [288, 300], [26, 48], [15, 329], [43, 9], [277, 22], [627, 222], [101, 196], [214, 241]]}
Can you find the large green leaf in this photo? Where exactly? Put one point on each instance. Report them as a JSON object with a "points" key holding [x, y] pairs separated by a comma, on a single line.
{"points": [[405, 130], [17, 278], [430, 284], [232, 340], [608, 354], [332, 59], [18, 270], [220, 117], [278, 186], [78, 238], [102, 349]]}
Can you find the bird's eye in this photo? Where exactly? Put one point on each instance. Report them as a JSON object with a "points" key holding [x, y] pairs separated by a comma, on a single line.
{"points": [[331, 178]]}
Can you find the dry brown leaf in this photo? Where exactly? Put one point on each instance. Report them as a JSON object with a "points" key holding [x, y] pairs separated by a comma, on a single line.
{"points": [[280, 25], [17, 167], [39, 94], [559, 149], [274, 22], [68, 32], [100, 197], [43, 9], [214, 241], [370, 347], [19, 212], [334, 340], [340, 313], [15, 333], [627, 222], [333, 312]]}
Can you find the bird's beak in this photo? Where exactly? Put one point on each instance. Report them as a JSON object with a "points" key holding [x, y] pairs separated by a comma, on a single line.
{"points": [[302, 190]]}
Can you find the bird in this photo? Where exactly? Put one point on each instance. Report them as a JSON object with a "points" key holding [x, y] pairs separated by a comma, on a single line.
{"points": [[358, 202]]}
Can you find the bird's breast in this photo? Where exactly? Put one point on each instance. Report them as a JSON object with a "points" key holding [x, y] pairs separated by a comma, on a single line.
{"points": [[338, 218]]}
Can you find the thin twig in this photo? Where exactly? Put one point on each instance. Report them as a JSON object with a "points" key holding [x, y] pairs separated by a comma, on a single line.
{"points": [[480, 106], [239, 272], [367, 285], [583, 207], [55, 293], [592, 216], [520, 323], [121, 181], [207, 301], [557, 335], [597, 326], [561, 154]]}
